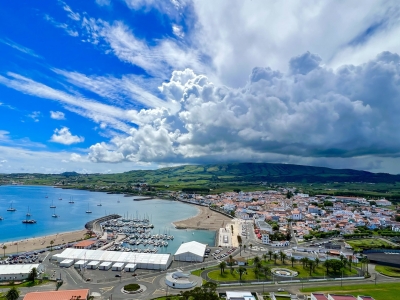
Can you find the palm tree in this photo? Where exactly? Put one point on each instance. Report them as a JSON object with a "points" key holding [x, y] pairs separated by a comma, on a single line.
{"points": [[51, 245], [327, 264], [317, 261], [264, 256], [350, 262], [4, 250], [304, 261], [241, 270], [240, 247], [251, 247], [222, 266], [311, 264], [284, 256], [292, 259], [256, 260], [12, 294], [33, 274], [244, 248], [266, 271], [275, 257], [281, 255], [270, 254]]}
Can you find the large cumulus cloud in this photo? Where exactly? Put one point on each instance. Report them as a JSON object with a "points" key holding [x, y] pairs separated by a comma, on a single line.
{"points": [[310, 111]]}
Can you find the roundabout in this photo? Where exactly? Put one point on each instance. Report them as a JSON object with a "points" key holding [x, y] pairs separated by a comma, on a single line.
{"points": [[133, 289], [282, 272]]}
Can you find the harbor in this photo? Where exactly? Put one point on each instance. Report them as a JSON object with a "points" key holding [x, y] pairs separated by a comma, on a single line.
{"points": [[72, 217]]}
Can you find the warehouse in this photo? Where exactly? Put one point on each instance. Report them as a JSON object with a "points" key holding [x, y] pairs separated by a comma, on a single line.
{"points": [[66, 263], [142, 260], [191, 251], [93, 265], [105, 265], [130, 268], [80, 264], [18, 272], [118, 267]]}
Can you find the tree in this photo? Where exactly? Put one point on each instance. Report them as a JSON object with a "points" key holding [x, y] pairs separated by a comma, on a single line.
{"points": [[264, 256], [244, 248], [284, 256], [222, 266], [292, 259], [240, 247], [266, 270], [275, 257], [311, 264], [327, 265], [251, 247], [256, 260], [281, 255], [350, 262], [270, 254], [317, 261], [336, 265], [241, 270], [304, 261], [51, 245], [4, 250], [12, 294], [32, 275]]}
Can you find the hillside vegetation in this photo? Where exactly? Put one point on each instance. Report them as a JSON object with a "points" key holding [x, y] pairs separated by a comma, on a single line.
{"points": [[224, 177]]}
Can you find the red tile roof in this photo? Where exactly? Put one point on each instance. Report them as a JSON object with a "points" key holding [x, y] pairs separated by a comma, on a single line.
{"points": [[58, 295]]}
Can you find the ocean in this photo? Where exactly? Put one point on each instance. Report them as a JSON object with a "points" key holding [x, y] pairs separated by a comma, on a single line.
{"points": [[38, 199]]}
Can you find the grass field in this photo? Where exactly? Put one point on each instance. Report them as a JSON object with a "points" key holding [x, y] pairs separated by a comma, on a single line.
{"points": [[388, 271], [367, 243], [319, 271], [383, 291]]}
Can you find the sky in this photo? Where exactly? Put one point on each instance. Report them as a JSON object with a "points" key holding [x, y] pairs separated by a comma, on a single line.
{"points": [[116, 85]]}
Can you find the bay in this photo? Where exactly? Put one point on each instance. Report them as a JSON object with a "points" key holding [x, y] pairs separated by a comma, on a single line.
{"points": [[38, 199]]}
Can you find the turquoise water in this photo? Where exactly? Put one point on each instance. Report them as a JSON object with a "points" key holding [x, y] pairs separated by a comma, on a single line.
{"points": [[73, 216]]}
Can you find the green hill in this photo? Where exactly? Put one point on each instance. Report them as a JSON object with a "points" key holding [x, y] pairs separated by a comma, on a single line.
{"points": [[224, 177]]}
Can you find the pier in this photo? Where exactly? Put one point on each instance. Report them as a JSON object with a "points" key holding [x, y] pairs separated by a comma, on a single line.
{"points": [[94, 225]]}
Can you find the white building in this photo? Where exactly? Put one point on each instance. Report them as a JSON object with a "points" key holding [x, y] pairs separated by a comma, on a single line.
{"points": [[93, 264], [239, 295], [142, 260], [66, 263], [191, 251], [118, 266], [179, 280], [264, 237], [18, 272], [105, 265], [130, 268]]}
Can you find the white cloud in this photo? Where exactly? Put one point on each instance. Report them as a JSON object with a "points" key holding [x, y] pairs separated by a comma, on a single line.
{"points": [[20, 47], [35, 115], [178, 31], [64, 136], [98, 112], [239, 35], [57, 115], [103, 2], [302, 115]]}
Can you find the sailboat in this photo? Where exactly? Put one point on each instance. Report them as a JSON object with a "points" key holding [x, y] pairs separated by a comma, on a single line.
{"points": [[99, 204], [28, 221], [52, 204], [1, 218], [11, 208], [60, 198], [71, 200], [54, 214], [88, 211]]}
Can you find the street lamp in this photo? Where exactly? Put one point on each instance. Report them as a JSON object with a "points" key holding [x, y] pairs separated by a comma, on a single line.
{"points": [[341, 280]]}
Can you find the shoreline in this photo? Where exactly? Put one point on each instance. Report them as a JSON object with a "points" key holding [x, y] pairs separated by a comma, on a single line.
{"points": [[205, 219], [41, 242]]}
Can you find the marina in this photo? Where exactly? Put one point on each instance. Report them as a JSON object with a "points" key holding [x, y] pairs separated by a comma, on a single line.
{"points": [[72, 216]]}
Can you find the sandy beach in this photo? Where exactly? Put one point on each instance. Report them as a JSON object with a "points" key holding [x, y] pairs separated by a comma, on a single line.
{"points": [[37, 243], [205, 219]]}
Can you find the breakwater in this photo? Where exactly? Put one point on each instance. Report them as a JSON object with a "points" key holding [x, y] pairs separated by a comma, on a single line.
{"points": [[94, 224]]}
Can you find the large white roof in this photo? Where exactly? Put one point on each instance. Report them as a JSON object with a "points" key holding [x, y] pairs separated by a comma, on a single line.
{"points": [[192, 247], [114, 256], [17, 268]]}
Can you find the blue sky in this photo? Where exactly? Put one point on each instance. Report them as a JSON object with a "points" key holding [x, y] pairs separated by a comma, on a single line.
{"points": [[116, 85]]}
